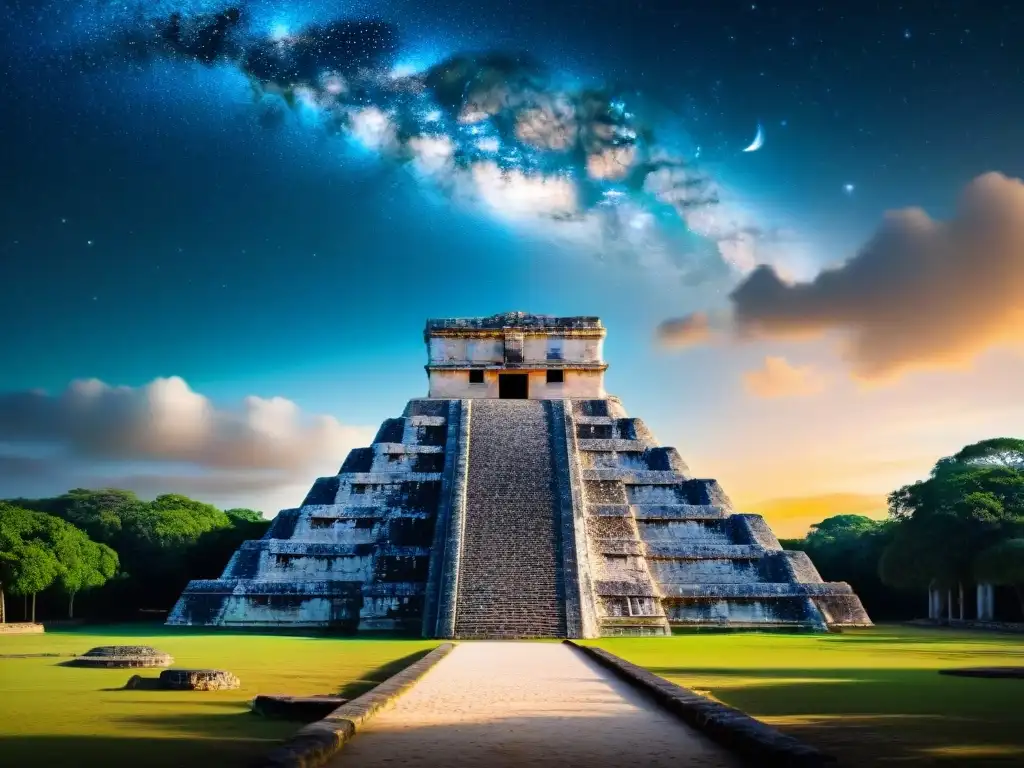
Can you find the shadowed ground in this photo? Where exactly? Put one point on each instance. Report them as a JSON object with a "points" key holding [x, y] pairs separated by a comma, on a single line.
{"points": [[868, 697], [508, 704], [56, 715]]}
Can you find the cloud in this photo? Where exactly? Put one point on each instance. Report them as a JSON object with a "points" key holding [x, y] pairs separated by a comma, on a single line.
{"points": [[685, 331], [778, 378], [920, 293], [164, 437]]}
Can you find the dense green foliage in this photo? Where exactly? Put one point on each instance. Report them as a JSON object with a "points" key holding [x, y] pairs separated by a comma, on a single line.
{"points": [[969, 503], [158, 545], [961, 525], [38, 550]]}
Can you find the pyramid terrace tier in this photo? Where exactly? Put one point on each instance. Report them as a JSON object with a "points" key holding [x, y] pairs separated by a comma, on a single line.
{"points": [[517, 518], [666, 546], [356, 555]]}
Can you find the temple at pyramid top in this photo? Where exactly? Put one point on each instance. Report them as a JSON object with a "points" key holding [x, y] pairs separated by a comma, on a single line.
{"points": [[516, 356], [518, 499]]}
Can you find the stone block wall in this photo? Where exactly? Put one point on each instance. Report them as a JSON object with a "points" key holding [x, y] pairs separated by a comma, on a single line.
{"points": [[666, 550], [356, 555]]}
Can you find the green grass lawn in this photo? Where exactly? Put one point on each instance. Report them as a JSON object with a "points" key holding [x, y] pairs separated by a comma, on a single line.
{"points": [[56, 715], [867, 697]]}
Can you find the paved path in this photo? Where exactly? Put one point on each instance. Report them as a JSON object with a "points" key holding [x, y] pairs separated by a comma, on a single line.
{"points": [[505, 704]]}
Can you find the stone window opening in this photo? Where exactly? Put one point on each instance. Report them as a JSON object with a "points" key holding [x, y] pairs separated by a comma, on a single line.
{"points": [[556, 376], [365, 522], [476, 376], [321, 522]]}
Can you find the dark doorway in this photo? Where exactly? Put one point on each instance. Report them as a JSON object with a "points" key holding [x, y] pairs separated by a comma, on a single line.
{"points": [[513, 386]]}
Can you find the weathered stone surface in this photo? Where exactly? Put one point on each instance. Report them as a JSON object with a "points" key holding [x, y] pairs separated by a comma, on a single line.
{"points": [[510, 574], [356, 555], [123, 656], [199, 680]]}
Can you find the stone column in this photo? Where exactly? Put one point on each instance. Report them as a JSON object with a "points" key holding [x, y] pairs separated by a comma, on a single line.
{"points": [[949, 604], [986, 602]]}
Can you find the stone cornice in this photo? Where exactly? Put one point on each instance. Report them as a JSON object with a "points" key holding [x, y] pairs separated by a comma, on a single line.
{"points": [[527, 332], [540, 365]]}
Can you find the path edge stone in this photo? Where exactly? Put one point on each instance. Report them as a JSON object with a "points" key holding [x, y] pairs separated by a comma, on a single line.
{"points": [[735, 730], [321, 740]]}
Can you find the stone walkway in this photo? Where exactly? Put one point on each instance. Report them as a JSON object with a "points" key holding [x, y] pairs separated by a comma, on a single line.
{"points": [[505, 704]]}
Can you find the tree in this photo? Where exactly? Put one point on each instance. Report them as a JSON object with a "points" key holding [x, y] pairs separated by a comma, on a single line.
{"points": [[160, 546], [1004, 564], [18, 527], [38, 549], [242, 515], [998, 451], [37, 569], [84, 564], [970, 502]]}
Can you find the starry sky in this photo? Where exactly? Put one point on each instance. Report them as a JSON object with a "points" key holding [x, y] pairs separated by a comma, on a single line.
{"points": [[223, 226]]}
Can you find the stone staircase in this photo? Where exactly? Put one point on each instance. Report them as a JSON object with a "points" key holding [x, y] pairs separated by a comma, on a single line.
{"points": [[509, 578]]}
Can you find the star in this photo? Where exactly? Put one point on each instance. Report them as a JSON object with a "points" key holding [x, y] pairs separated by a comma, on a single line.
{"points": [[88, 242], [848, 188]]}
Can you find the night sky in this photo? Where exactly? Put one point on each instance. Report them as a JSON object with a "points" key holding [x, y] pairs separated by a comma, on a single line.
{"points": [[238, 218]]}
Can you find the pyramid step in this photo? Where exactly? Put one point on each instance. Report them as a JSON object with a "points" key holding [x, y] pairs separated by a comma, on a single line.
{"points": [[508, 575]]}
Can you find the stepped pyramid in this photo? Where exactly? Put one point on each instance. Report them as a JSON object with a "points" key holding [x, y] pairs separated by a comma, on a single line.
{"points": [[517, 499]]}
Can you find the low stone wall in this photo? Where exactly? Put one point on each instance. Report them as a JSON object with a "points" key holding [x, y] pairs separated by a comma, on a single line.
{"points": [[21, 628], [735, 730], [318, 742]]}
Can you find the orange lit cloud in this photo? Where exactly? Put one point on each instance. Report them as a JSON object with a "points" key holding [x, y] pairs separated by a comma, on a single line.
{"points": [[778, 378], [919, 294]]}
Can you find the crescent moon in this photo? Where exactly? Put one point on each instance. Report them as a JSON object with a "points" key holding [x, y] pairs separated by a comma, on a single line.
{"points": [[758, 141]]}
